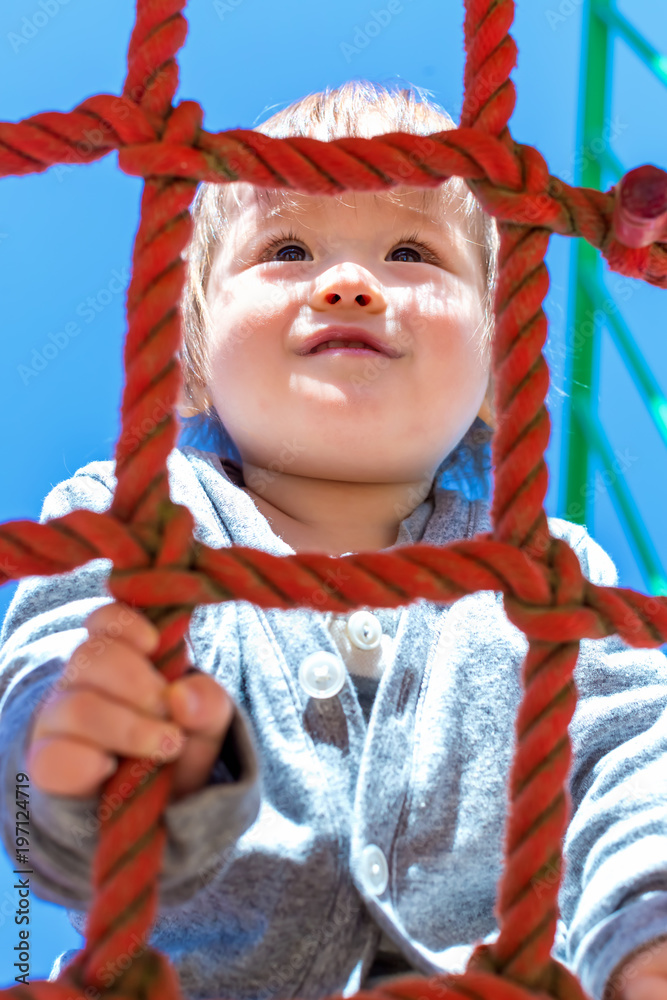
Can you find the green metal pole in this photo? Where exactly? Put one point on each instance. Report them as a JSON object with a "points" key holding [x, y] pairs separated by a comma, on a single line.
{"points": [[582, 337], [649, 55], [641, 543]]}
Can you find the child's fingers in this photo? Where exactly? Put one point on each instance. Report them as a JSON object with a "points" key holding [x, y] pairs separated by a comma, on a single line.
{"points": [[198, 703], [120, 621], [205, 725], [62, 766], [107, 725], [111, 666]]}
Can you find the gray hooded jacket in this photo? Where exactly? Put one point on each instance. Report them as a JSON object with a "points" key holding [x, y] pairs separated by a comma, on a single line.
{"points": [[356, 815]]}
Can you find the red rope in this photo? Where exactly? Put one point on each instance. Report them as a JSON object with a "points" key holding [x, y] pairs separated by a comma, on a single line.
{"points": [[159, 567]]}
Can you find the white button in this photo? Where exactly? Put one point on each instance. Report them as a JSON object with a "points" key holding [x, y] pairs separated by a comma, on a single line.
{"points": [[364, 630], [374, 869], [322, 674]]}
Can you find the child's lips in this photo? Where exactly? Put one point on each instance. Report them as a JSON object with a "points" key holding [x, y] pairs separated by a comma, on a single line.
{"points": [[344, 350], [345, 334]]}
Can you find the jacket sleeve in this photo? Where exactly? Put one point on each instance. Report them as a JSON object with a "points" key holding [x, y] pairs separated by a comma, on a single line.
{"points": [[613, 896], [42, 628]]}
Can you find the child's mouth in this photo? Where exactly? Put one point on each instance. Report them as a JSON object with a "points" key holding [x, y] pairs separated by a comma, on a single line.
{"points": [[343, 347]]}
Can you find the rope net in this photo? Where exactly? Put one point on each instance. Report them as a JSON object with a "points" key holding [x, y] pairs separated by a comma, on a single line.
{"points": [[159, 568]]}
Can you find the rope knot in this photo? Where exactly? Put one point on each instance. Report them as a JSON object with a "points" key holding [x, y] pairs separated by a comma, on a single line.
{"points": [[167, 579], [567, 616], [176, 544], [526, 188], [555, 981], [143, 972]]}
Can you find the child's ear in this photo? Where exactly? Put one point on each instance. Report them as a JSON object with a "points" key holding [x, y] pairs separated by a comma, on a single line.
{"points": [[184, 409], [486, 413], [184, 404]]}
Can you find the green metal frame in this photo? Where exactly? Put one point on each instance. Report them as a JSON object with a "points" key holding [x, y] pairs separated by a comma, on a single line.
{"points": [[583, 434]]}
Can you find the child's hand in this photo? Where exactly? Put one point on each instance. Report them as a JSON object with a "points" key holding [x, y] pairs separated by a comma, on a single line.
{"points": [[112, 701], [644, 977]]}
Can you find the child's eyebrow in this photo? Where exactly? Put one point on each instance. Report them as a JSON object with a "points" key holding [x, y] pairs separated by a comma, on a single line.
{"points": [[459, 235], [429, 214]]}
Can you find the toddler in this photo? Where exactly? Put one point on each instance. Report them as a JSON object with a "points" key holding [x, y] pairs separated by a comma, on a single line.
{"points": [[341, 783]]}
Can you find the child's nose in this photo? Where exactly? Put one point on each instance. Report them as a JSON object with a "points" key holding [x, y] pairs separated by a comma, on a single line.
{"points": [[349, 291], [362, 299]]}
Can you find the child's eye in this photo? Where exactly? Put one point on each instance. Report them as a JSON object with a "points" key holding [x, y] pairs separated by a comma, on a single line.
{"points": [[418, 253], [283, 248], [290, 253], [287, 247]]}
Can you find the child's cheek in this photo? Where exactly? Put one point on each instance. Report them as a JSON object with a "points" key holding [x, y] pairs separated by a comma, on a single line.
{"points": [[255, 327]]}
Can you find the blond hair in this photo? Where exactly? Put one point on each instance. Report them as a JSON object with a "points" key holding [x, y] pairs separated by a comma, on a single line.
{"points": [[352, 110]]}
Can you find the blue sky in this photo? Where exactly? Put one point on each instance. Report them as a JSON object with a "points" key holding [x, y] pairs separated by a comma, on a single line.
{"points": [[66, 235]]}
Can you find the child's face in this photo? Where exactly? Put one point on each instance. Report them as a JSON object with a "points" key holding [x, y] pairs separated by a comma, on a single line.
{"points": [[341, 416]]}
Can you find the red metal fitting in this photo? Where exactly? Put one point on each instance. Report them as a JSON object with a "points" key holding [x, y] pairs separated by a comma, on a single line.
{"points": [[640, 211]]}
